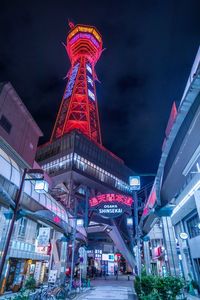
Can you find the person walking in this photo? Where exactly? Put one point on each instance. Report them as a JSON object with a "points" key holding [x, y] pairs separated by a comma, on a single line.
{"points": [[116, 271]]}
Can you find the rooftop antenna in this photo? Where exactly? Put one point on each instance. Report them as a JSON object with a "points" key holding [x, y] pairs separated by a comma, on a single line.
{"points": [[71, 24]]}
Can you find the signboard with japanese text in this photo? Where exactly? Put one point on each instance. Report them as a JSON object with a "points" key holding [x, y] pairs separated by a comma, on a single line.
{"points": [[71, 81], [111, 205], [52, 276], [43, 237]]}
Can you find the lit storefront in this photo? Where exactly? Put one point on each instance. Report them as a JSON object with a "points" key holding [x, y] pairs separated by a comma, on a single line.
{"points": [[26, 257]]}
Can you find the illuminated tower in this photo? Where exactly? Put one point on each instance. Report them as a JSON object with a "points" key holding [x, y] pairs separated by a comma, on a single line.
{"points": [[79, 110]]}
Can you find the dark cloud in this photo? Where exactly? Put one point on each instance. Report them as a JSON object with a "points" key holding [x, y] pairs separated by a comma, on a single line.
{"points": [[150, 48]]}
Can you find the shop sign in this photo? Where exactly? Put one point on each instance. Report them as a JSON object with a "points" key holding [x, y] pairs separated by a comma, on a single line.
{"points": [[43, 237], [156, 253], [183, 235], [37, 272], [108, 257], [134, 182], [52, 276], [32, 269], [111, 205], [98, 253]]}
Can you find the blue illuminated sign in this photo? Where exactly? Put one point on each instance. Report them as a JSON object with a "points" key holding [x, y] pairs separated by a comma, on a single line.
{"points": [[91, 95], [134, 182], [71, 81], [90, 80], [89, 68]]}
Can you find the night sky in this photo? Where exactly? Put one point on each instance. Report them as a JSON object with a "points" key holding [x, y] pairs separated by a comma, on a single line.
{"points": [[150, 47]]}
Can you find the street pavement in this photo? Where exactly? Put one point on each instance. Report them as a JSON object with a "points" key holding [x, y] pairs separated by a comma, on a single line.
{"points": [[110, 289]]}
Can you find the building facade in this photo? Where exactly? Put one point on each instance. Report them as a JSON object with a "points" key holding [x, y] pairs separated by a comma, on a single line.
{"points": [[36, 245], [177, 183]]}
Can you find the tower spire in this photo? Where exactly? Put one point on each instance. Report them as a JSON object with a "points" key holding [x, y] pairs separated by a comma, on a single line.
{"points": [[79, 110]]}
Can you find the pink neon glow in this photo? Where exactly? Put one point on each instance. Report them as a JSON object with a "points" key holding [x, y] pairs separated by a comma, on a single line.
{"points": [[84, 36], [150, 202], [126, 200], [56, 219]]}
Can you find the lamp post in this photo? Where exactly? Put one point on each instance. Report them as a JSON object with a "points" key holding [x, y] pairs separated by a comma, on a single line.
{"points": [[15, 211], [134, 182]]}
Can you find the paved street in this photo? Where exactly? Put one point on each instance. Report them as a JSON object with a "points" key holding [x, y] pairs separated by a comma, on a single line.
{"points": [[110, 289]]}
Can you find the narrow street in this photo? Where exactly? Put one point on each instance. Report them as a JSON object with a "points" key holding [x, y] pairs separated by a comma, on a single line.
{"points": [[110, 289]]}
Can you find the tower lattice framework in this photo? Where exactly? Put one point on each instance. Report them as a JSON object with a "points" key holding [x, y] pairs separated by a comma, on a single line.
{"points": [[79, 109]]}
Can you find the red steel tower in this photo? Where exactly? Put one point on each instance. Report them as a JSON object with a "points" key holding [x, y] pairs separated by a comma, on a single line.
{"points": [[79, 110]]}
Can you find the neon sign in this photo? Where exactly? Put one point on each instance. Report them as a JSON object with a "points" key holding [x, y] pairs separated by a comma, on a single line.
{"points": [[111, 205], [90, 80], [91, 95], [89, 68], [70, 85], [126, 200]]}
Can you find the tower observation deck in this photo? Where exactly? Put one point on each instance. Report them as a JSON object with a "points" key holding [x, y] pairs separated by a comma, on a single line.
{"points": [[79, 110]]}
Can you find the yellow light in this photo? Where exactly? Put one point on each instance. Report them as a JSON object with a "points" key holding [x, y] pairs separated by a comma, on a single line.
{"points": [[97, 36], [73, 33], [85, 29]]}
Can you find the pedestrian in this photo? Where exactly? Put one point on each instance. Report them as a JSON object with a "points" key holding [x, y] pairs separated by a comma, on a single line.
{"points": [[116, 271], [104, 271]]}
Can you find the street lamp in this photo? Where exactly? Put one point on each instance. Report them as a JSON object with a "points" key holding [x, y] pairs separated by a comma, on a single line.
{"points": [[135, 185], [129, 221], [38, 176]]}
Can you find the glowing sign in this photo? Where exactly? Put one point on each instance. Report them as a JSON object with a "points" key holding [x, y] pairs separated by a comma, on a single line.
{"points": [[56, 219], [134, 182], [117, 198], [79, 222], [91, 95], [70, 85], [89, 68], [111, 205], [90, 80]]}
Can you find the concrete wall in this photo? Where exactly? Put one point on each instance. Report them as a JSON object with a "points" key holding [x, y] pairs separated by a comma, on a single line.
{"points": [[24, 133]]}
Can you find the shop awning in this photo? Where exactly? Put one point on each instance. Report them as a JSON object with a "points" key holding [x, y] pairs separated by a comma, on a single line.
{"points": [[5, 199]]}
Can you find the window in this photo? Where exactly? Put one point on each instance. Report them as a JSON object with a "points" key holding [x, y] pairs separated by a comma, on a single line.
{"points": [[5, 124], [193, 225]]}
